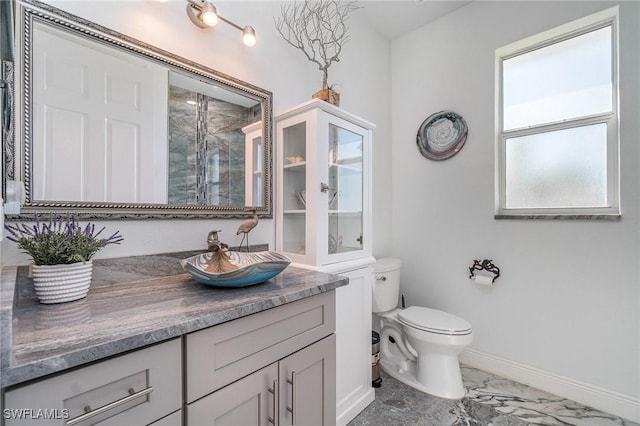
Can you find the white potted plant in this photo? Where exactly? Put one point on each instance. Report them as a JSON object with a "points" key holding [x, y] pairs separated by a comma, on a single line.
{"points": [[61, 251]]}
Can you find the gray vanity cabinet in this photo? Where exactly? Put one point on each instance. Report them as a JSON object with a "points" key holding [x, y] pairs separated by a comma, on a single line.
{"points": [[298, 390], [137, 388], [274, 367]]}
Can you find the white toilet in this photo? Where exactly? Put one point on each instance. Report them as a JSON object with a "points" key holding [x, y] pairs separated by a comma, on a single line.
{"points": [[418, 346]]}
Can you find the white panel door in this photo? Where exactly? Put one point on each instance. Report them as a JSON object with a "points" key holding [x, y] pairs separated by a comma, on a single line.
{"points": [[94, 132]]}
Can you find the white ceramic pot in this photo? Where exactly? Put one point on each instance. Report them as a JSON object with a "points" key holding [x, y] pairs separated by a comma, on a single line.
{"points": [[61, 283]]}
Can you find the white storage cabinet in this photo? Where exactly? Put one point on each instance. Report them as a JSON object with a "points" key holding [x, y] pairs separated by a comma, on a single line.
{"points": [[323, 222]]}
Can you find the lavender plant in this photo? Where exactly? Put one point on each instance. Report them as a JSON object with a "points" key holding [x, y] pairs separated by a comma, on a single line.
{"points": [[59, 241]]}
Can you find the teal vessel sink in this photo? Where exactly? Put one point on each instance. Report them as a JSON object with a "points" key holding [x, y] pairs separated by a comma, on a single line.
{"points": [[253, 268]]}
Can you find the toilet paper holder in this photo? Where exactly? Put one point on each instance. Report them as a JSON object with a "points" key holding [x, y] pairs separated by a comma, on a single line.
{"points": [[486, 265]]}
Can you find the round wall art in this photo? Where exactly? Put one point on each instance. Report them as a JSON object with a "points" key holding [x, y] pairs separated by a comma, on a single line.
{"points": [[442, 135]]}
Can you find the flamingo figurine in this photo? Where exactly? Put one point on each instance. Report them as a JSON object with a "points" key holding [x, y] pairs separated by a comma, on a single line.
{"points": [[246, 226]]}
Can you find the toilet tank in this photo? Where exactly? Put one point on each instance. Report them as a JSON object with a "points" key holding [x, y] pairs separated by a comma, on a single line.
{"points": [[386, 284]]}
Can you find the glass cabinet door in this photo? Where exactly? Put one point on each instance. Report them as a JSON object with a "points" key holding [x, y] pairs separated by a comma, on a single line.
{"points": [[294, 188], [257, 177], [344, 190], [323, 185], [254, 160]]}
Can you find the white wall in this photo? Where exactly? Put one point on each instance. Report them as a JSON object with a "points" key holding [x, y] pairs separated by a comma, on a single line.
{"points": [[567, 300], [363, 78]]}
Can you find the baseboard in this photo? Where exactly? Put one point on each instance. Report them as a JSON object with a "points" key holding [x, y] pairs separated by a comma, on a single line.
{"points": [[345, 415], [605, 400]]}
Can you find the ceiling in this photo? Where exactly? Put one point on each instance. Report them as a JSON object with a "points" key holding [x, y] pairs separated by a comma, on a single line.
{"points": [[394, 18]]}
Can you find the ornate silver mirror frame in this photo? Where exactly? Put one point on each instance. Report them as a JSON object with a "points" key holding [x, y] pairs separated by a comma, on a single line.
{"points": [[20, 147]]}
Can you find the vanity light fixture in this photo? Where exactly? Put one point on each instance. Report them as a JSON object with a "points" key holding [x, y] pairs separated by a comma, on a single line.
{"points": [[204, 15]]}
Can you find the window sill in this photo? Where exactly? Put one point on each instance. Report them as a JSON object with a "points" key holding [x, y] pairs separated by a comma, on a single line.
{"points": [[607, 217]]}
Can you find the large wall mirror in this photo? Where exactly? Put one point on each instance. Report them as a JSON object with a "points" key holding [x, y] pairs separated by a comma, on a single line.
{"points": [[114, 128]]}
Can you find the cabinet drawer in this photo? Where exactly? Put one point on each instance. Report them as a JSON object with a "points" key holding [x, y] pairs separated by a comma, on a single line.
{"points": [[132, 389], [222, 354]]}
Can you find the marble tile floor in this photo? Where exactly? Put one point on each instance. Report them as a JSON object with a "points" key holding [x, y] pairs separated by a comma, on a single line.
{"points": [[490, 401]]}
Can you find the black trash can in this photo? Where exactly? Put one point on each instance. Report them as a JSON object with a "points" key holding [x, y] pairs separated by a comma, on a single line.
{"points": [[375, 360]]}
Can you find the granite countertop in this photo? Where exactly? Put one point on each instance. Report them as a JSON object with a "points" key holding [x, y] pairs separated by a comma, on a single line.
{"points": [[133, 302]]}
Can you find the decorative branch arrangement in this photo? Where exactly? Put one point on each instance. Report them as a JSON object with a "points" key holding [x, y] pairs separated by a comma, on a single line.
{"points": [[318, 28]]}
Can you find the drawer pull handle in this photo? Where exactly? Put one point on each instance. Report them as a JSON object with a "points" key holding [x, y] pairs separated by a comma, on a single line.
{"points": [[92, 413]]}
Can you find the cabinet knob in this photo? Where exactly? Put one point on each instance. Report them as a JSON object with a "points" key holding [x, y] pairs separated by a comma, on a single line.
{"points": [[324, 187]]}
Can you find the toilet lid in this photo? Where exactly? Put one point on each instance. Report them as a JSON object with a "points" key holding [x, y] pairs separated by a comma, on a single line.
{"points": [[433, 321]]}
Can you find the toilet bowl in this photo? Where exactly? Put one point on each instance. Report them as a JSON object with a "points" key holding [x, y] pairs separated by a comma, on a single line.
{"points": [[418, 346]]}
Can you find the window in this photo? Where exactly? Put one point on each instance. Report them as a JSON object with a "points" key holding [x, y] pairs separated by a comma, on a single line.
{"points": [[557, 126]]}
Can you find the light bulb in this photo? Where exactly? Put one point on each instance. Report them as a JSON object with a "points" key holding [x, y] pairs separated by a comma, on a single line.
{"points": [[209, 14], [249, 36]]}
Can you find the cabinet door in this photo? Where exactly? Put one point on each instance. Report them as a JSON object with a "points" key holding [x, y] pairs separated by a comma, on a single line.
{"points": [[249, 401], [353, 345], [308, 385], [297, 164], [342, 190]]}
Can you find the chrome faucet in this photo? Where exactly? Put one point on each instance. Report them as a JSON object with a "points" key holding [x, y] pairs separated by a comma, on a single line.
{"points": [[214, 244]]}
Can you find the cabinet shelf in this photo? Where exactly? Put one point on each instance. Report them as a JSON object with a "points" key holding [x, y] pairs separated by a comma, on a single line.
{"points": [[348, 160], [296, 166], [330, 212], [345, 212]]}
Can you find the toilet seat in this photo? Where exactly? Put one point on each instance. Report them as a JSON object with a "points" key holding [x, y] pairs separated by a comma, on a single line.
{"points": [[433, 321]]}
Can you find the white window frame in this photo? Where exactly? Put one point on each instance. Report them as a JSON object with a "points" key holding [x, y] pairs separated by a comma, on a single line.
{"points": [[608, 17]]}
